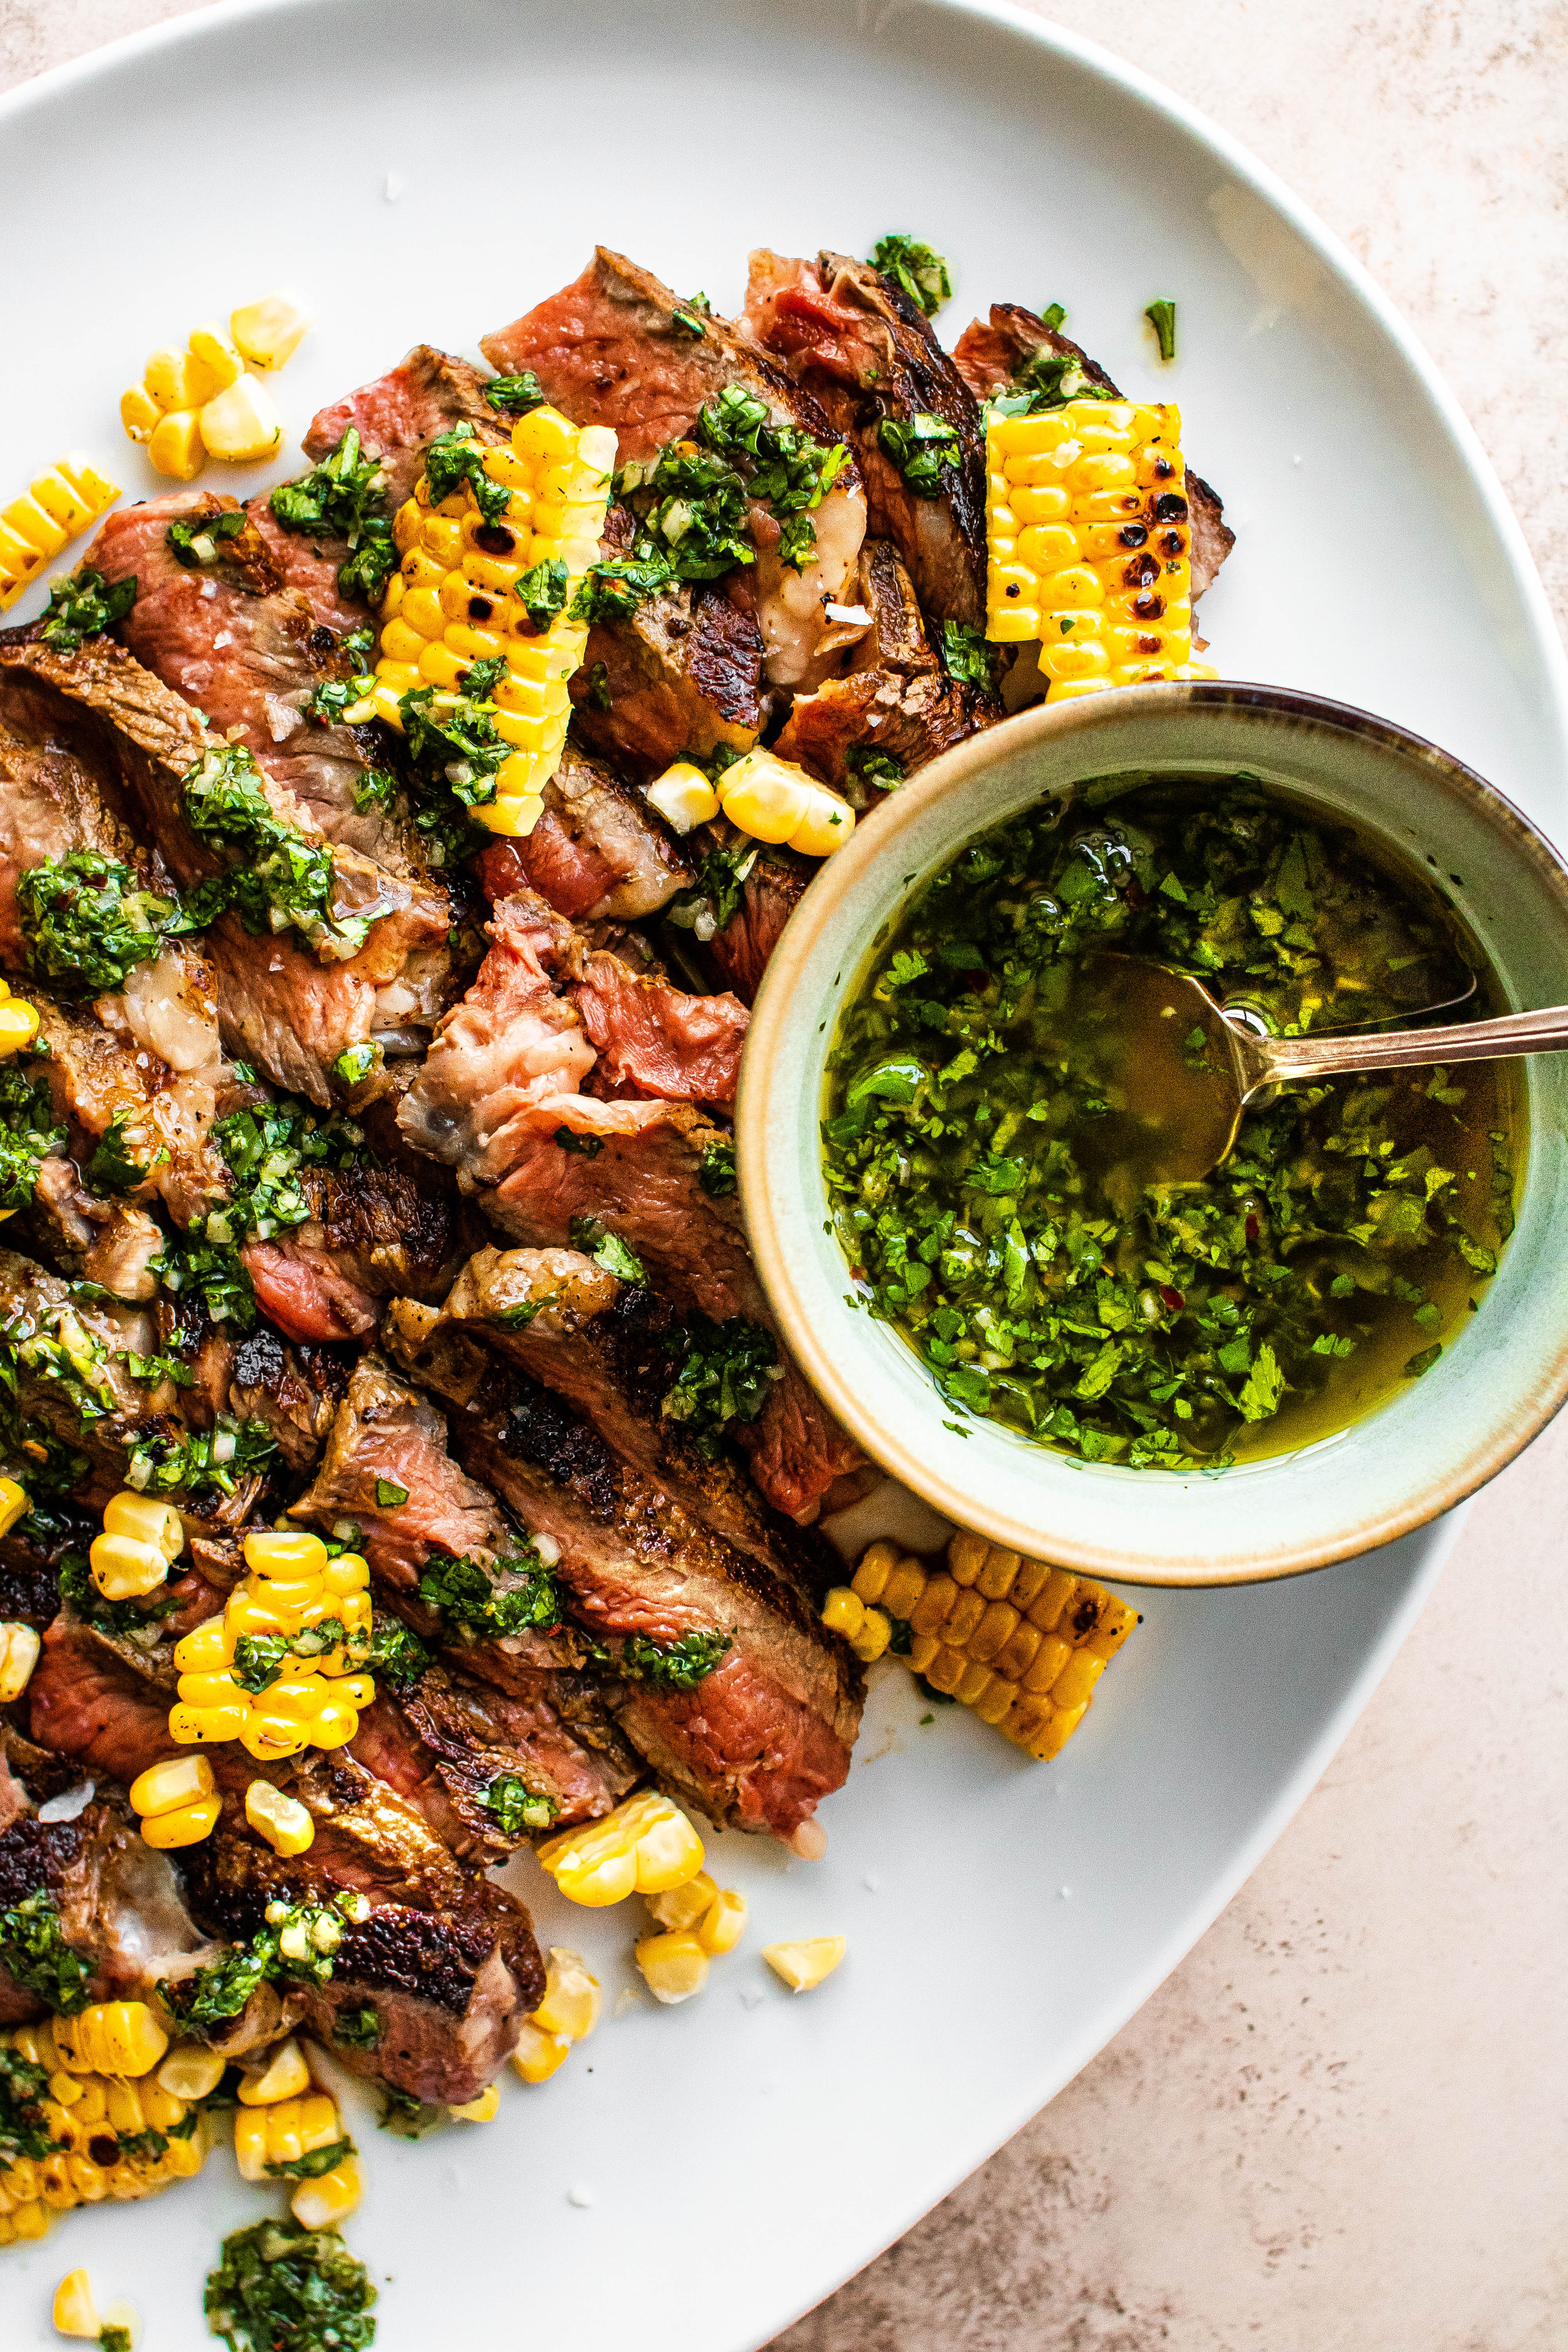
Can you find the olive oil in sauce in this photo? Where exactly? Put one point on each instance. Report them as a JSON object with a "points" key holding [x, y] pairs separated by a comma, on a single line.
{"points": [[987, 1141]]}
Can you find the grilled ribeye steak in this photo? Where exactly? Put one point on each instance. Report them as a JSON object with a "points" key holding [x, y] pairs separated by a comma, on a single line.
{"points": [[866, 355], [616, 348], [449, 1961], [990, 355], [397, 414], [598, 851], [764, 1735], [277, 1004]]}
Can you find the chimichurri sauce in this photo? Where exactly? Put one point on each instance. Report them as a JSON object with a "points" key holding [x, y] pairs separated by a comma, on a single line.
{"points": [[977, 1142]]}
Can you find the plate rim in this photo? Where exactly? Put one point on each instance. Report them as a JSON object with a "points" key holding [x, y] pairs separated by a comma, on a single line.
{"points": [[1545, 647]]}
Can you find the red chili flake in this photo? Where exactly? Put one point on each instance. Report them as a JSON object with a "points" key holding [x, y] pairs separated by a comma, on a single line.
{"points": [[1252, 1229], [1173, 1298]]}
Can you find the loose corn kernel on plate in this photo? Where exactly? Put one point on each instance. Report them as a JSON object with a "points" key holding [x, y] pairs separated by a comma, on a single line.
{"points": [[698, 2153]]}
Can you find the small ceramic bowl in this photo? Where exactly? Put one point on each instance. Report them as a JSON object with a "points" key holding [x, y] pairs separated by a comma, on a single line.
{"points": [[1437, 1440]]}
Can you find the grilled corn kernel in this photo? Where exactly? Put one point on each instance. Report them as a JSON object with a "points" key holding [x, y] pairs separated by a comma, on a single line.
{"points": [[571, 2004], [76, 2311], [285, 1552], [285, 2075], [683, 797], [826, 826], [683, 1907], [482, 2110], [843, 1612], [332, 2196], [875, 1632], [283, 1820], [139, 413], [646, 1845], [19, 1648], [1020, 1642], [767, 797], [242, 423], [268, 332], [214, 351], [208, 1648], [175, 447], [347, 1573], [512, 816], [723, 1923], [145, 1521], [13, 1505], [174, 380], [803, 1966], [191, 2072], [539, 2055], [123, 1568], [183, 1825], [19, 1027], [673, 1965], [113, 2037]]}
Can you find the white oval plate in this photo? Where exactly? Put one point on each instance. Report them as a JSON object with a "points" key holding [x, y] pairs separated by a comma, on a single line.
{"points": [[694, 2178]]}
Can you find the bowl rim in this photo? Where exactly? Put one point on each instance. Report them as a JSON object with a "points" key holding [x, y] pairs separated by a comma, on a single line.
{"points": [[789, 979]]}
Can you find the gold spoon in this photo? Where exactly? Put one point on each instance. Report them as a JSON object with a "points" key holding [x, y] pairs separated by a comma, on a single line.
{"points": [[1197, 1067]]}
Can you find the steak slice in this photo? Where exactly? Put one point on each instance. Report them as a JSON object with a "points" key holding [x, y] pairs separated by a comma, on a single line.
{"points": [[599, 852], [293, 1387], [449, 1961], [616, 348], [658, 1040], [395, 416], [765, 1735], [771, 892], [865, 353], [231, 637], [990, 355]]}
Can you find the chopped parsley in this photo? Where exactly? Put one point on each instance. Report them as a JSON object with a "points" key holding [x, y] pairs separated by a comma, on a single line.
{"points": [[274, 876], [456, 458], [541, 592], [1048, 379], [568, 1139], [88, 920], [471, 1601], [514, 395], [199, 540], [259, 1658], [869, 766], [212, 1271], [986, 1155], [714, 897], [316, 2161], [344, 497], [452, 738], [267, 1149], [922, 447], [115, 1166], [297, 1942], [612, 589], [1162, 316], [137, 1620], [201, 1461], [516, 1807], [716, 1169], [37, 1957], [82, 605], [28, 1134], [389, 1494], [607, 1250], [23, 2129], [915, 269], [396, 1654], [671, 1666], [282, 2288], [967, 656], [358, 2029], [725, 1374]]}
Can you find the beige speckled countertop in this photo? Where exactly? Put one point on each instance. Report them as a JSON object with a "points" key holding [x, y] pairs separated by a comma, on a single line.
{"points": [[1340, 2126]]}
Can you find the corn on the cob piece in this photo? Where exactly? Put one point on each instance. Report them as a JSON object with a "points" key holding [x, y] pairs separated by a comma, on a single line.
{"points": [[1021, 1643], [645, 1846], [317, 1698], [113, 2037], [1089, 543], [451, 603], [56, 507], [106, 2136], [567, 2014]]}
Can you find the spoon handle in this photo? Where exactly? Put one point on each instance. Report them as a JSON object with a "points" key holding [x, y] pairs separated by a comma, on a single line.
{"points": [[1469, 1041]]}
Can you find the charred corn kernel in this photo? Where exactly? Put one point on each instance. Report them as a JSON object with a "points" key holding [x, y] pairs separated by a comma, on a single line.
{"points": [[269, 1735], [455, 607], [269, 332], [482, 2110], [844, 1612], [723, 1923], [826, 825], [139, 413], [145, 1521], [284, 2076], [767, 797], [191, 2072], [113, 2037], [285, 1552], [242, 424], [571, 2003], [673, 1965], [646, 1846], [1089, 532], [1019, 1642], [19, 1648], [213, 350], [175, 446], [283, 1820], [683, 1907], [332, 2196], [539, 2055], [121, 1566], [804, 1964], [683, 797], [19, 1027], [183, 1825], [875, 1632]]}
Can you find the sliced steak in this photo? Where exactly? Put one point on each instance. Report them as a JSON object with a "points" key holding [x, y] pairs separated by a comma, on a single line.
{"points": [[294, 1387], [598, 851], [395, 416], [49, 803], [765, 1735], [990, 355], [865, 353], [769, 896], [618, 348], [658, 1040]]}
